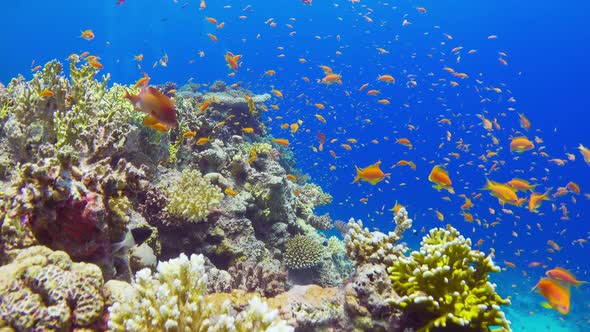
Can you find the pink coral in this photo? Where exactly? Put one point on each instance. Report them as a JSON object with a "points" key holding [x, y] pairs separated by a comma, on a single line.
{"points": [[78, 229]]}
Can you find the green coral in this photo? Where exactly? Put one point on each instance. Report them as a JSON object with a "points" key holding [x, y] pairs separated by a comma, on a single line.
{"points": [[174, 299], [262, 147], [192, 197], [43, 290], [448, 282], [303, 252]]}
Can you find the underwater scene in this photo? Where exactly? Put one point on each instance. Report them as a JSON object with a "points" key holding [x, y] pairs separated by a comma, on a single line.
{"points": [[294, 165]]}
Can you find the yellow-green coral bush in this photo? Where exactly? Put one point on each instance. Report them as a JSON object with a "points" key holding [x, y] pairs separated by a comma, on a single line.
{"points": [[173, 299], [192, 196], [448, 282]]}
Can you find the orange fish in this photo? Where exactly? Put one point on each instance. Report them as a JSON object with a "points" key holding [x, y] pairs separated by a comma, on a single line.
{"points": [[536, 199], [144, 81], [155, 104], [233, 60], [521, 185], [564, 276], [405, 142], [386, 78], [556, 294], [504, 193], [46, 93], [440, 177], [205, 104], [331, 79], [87, 34], [281, 141], [521, 144], [585, 153], [213, 37], [372, 174], [524, 122], [151, 122], [573, 187], [95, 64]]}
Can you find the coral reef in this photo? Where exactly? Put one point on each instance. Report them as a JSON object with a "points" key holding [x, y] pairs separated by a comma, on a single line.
{"points": [[446, 283], [43, 290], [173, 299], [79, 173]]}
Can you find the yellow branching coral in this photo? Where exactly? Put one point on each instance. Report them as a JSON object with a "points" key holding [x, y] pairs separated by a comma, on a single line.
{"points": [[192, 197], [448, 282]]}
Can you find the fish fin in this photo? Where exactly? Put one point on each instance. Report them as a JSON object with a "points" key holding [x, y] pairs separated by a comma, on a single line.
{"points": [[149, 120], [375, 181], [132, 98], [546, 305], [437, 187]]}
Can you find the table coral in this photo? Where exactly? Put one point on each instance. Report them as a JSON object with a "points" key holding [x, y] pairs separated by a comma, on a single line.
{"points": [[174, 299], [447, 283], [43, 290], [303, 252], [192, 197]]}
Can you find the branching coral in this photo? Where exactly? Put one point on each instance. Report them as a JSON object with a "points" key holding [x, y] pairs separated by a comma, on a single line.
{"points": [[42, 290], [192, 197], [447, 283], [364, 246], [302, 252], [173, 299]]}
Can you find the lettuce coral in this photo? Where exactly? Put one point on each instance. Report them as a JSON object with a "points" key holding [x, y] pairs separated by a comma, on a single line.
{"points": [[174, 299], [303, 251], [447, 283], [192, 197]]}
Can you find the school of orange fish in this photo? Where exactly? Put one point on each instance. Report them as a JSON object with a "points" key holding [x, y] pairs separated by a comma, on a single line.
{"points": [[300, 105]]}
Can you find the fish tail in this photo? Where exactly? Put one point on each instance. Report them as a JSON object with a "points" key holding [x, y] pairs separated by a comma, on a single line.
{"points": [[358, 174]]}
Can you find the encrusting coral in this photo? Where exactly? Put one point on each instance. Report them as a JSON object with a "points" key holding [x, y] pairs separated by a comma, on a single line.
{"points": [[446, 283], [192, 196], [174, 299], [43, 290]]}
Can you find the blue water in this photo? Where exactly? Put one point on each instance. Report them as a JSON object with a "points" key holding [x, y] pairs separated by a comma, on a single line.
{"points": [[547, 73]]}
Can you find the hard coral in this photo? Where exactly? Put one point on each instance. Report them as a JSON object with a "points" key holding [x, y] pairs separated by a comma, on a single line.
{"points": [[174, 299], [447, 283], [302, 252], [42, 290], [364, 246], [322, 222], [192, 197], [257, 278]]}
